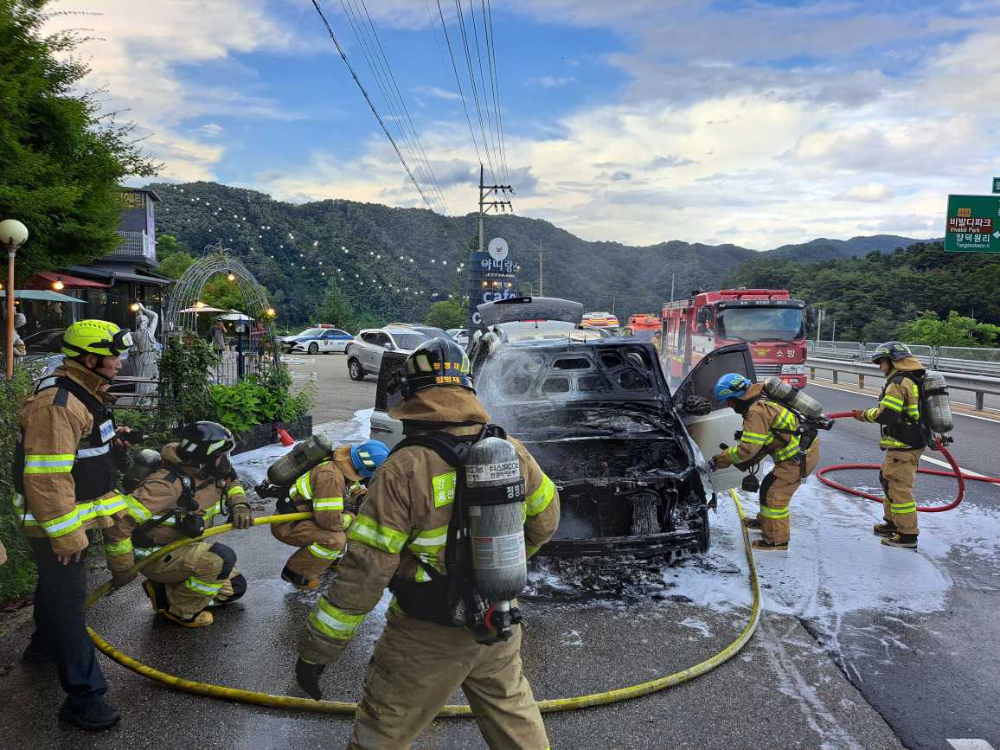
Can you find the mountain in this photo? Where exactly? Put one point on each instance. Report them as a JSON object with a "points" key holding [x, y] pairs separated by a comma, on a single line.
{"points": [[397, 261]]}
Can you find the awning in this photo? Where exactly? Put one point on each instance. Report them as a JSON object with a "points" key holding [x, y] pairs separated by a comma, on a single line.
{"points": [[45, 279], [42, 294]]}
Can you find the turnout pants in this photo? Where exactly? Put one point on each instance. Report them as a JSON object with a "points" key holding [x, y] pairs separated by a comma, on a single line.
{"points": [[776, 492], [319, 548], [416, 668], [899, 472], [60, 629], [195, 575]]}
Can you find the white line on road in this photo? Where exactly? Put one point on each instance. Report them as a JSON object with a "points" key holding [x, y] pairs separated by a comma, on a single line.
{"points": [[869, 395], [945, 464], [970, 744]]}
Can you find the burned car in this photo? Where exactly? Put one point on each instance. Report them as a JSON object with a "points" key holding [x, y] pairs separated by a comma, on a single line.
{"points": [[599, 418]]}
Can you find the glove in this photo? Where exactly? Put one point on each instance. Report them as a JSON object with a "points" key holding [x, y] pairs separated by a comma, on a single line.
{"points": [[711, 465], [120, 578], [307, 675], [859, 414], [241, 517]]}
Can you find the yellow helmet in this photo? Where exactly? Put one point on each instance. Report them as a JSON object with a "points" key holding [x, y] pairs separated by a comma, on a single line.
{"points": [[95, 337]]}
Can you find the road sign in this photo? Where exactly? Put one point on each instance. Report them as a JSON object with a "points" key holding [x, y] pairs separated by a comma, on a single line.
{"points": [[973, 224], [996, 184]]}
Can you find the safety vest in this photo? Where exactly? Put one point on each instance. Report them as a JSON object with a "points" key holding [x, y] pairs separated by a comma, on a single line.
{"points": [[906, 434]]}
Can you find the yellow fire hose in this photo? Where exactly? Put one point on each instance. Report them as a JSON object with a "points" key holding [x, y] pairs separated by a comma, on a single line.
{"points": [[343, 707]]}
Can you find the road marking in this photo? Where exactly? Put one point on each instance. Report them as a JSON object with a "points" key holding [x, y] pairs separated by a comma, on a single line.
{"points": [[945, 464], [868, 395], [970, 744]]}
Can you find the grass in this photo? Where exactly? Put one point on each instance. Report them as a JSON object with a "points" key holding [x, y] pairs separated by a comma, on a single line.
{"points": [[17, 576]]}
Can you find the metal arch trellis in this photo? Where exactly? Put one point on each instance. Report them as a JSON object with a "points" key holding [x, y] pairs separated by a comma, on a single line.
{"points": [[187, 296]]}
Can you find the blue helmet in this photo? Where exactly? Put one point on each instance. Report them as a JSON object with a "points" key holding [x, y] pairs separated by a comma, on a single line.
{"points": [[731, 385], [368, 456]]}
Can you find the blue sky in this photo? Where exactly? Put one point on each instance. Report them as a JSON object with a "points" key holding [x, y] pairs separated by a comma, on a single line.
{"points": [[640, 121]]}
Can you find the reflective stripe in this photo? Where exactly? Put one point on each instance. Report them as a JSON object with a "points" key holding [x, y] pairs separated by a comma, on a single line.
{"points": [[368, 531], [774, 513], [69, 522], [890, 402], [48, 463], [328, 503], [234, 491], [430, 541], [539, 500], [64, 524], [333, 622], [202, 587], [753, 437], [119, 548], [889, 442], [733, 452], [903, 508], [303, 487], [26, 518], [323, 553], [136, 510], [788, 451], [871, 414], [784, 420], [144, 552], [92, 452], [530, 550]]}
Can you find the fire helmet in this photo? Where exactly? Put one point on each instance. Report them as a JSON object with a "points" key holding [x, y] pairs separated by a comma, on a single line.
{"points": [[95, 337], [368, 456], [893, 350], [434, 363], [202, 444], [731, 385]]}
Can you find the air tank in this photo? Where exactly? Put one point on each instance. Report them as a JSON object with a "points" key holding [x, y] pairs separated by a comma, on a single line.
{"points": [[144, 463], [936, 403], [300, 459], [793, 398], [494, 496]]}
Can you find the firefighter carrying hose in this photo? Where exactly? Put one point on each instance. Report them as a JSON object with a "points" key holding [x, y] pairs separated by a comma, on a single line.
{"points": [[182, 498], [321, 491], [769, 429], [64, 475], [407, 537], [898, 413]]}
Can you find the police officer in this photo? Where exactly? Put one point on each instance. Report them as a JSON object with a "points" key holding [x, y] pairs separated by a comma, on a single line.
{"points": [[321, 491], [65, 476], [400, 532], [183, 498], [769, 429], [898, 413]]}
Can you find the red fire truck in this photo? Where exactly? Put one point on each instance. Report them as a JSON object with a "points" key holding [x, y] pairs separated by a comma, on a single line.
{"points": [[645, 326], [769, 321]]}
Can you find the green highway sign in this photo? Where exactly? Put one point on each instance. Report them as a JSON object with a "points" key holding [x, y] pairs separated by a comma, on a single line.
{"points": [[973, 224], [996, 184]]}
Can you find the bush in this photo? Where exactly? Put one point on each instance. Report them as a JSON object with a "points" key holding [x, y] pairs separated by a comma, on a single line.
{"points": [[252, 402], [17, 577]]}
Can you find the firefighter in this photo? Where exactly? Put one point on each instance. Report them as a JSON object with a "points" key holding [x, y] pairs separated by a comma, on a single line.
{"points": [[195, 484], [321, 491], [769, 429], [400, 534], [898, 413], [64, 477]]}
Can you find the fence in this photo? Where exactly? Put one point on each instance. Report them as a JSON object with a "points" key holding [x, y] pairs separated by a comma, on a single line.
{"points": [[971, 360]]}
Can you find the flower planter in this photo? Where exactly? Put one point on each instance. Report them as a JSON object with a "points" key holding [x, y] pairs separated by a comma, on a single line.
{"points": [[265, 434]]}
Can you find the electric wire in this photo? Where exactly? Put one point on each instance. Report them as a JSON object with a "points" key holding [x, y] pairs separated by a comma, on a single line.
{"points": [[458, 82], [491, 123], [487, 9], [475, 92]]}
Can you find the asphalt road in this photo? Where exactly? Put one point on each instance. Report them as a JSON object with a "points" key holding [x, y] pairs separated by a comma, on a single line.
{"points": [[877, 678]]}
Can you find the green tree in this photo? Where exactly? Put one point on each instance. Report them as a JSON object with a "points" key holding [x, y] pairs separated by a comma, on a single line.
{"points": [[220, 292], [334, 309], [167, 244], [446, 314], [173, 265], [955, 330], [62, 159]]}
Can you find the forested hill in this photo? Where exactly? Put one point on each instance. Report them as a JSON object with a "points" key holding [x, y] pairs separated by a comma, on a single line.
{"points": [[296, 252]]}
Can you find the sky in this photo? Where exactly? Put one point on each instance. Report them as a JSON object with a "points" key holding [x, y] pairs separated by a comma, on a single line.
{"points": [[638, 121]]}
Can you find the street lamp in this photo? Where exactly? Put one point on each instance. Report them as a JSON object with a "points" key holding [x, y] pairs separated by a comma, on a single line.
{"points": [[13, 234]]}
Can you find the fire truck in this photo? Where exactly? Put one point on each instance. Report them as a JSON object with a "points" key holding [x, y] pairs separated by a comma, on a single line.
{"points": [[645, 326], [771, 323], [599, 320]]}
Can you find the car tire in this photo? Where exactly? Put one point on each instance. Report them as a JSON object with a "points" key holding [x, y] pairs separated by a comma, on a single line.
{"points": [[313, 348], [355, 370], [705, 537]]}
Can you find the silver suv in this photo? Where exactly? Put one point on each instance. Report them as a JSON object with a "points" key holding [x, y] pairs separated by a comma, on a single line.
{"points": [[364, 353]]}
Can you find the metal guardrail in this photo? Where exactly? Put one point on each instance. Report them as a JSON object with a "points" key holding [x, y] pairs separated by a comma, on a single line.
{"points": [[958, 359], [980, 385]]}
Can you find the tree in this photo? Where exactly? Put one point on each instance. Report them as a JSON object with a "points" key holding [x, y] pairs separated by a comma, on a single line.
{"points": [[335, 310], [955, 330], [62, 160], [173, 265], [446, 314]]}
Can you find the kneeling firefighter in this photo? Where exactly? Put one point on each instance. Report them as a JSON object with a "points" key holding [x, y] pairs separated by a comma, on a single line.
{"points": [[447, 525], [898, 413], [183, 494], [320, 490], [770, 428]]}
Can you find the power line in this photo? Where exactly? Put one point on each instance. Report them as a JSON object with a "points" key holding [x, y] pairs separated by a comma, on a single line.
{"points": [[491, 119], [491, 49], [458, 82], [475, 93]]}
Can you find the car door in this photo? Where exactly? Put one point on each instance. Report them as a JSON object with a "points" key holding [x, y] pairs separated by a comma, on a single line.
{"points": [[387, 395], [327, 344], [339, 339], [367, 350], [382, 342], [718, 426]]}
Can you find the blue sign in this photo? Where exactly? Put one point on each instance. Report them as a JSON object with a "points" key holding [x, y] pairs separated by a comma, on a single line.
{"points": [[996, 184], [490, 280]]}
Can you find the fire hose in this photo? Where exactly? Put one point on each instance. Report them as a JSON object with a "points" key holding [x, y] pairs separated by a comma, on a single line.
{"points": [[343, 707], [956, 472]]}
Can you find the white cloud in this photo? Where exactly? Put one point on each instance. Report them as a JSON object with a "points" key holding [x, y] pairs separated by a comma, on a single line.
{"points": [[552, 82], [211, 130], [873, 192], [439, 93]]}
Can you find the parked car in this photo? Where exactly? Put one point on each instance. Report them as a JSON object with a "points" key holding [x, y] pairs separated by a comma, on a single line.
{"points": [[364, 352], [627, 455], [316, 340], [432, 332], [461, 336]]}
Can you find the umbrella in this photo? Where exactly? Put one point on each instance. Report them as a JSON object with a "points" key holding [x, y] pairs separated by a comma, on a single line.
{"points": [[203, 309], [42, 294], [235, 315]]}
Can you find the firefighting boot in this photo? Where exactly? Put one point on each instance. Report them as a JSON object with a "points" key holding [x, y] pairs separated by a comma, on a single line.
{"points": [[773, 546], [752, 523], [157, 594], [93, 715], [904, 541], [200, 620], [884, 529], [299, 582]]}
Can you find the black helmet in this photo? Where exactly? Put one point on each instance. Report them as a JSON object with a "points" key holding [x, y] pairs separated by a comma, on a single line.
{"points": [[893, 350], [433, 363], [206, 445]]}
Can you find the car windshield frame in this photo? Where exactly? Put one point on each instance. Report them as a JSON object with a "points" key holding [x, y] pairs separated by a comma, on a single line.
{"points": [[726, 329], [410, 340], [311, 333]]}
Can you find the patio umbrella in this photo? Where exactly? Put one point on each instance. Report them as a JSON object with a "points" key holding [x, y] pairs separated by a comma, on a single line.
{"points": [[235, 315], [203, 309]]}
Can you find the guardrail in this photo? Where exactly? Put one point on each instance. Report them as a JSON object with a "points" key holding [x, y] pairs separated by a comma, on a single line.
{"points": [[981, 385], [968, 360]]}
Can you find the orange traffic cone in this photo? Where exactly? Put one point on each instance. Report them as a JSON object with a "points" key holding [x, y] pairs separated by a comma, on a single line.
{"points": [[286, 440]]}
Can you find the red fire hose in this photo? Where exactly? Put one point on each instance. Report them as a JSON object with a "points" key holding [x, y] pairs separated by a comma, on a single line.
{"points": [[957, 473]]}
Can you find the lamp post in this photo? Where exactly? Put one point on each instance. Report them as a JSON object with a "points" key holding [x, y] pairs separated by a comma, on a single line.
{"points": [[13, 234]]}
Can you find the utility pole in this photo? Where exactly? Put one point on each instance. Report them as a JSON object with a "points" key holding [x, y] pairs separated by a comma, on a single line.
{"points": [[541, 270], [833, 337], [673, 277], [614, 298], [491, 197]]}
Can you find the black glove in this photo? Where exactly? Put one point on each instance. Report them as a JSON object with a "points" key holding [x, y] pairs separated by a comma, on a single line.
{"points": [[307, 675]]}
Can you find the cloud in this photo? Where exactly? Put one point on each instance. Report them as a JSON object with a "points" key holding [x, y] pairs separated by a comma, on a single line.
{"points": [[211, 130], [873, 192], [438, 93], [552, 82], [670, 161]]}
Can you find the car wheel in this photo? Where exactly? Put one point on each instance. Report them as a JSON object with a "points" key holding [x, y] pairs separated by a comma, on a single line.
{"points": [[313, 348], [355, 370], [705, 537]]}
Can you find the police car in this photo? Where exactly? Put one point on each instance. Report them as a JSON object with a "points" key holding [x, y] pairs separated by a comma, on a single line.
{"points": [[317, 340]]}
